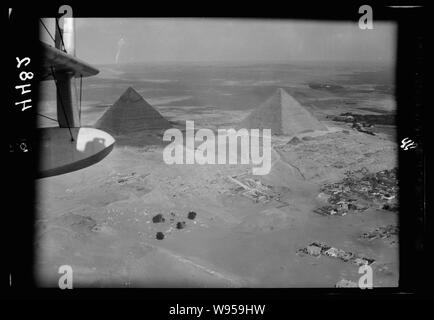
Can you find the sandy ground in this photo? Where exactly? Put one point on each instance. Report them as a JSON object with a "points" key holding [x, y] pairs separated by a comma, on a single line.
{"points": [[99, 220]]}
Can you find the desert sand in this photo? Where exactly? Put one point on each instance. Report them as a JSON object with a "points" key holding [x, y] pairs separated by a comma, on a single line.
{"points": [[101, 220]]}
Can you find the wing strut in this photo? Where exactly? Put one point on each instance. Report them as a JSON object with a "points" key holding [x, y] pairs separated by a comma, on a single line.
{"points": [[59, 36], [81, 92], [59, 97], [67, 108]]}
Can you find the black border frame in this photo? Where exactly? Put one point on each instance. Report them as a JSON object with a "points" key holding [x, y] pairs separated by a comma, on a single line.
{"points": [[415, 243]]}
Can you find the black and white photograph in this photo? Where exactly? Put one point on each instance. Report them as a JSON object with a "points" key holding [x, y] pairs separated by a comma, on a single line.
{"points": [[216, 152]]}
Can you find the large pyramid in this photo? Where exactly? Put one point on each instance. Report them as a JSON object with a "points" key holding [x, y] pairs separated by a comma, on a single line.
{"points": [[283, 115], [131, 113]]}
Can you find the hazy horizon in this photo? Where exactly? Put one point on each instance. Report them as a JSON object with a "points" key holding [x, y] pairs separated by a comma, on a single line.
{"points": [[256, 62], [103, 41]]}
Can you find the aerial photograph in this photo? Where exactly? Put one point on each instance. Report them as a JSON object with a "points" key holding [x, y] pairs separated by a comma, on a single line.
{"points": [[217, 153]]}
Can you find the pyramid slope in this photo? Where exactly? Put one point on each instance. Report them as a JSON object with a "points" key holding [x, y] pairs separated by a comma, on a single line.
{"points": [[131, 113], [283, 115]]}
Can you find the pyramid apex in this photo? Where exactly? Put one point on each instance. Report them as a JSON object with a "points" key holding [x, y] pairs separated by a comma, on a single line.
{"points": [[283, 114], [131, 113], [131, 94], [131, 90]]}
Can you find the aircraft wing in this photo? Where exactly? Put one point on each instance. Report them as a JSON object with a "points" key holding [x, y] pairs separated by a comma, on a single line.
{"points": [[63, 62]]}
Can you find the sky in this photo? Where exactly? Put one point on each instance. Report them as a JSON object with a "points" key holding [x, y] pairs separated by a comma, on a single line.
{"points": [[130, 40]]}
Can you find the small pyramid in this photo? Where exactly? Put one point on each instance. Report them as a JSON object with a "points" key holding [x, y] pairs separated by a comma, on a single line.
{"points": [[283, 115], [131, 113]]}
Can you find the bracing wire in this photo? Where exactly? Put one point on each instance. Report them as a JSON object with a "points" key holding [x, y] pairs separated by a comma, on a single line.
{"points": [[49, 33], [61, 103], [60, 34], [42, 115]]}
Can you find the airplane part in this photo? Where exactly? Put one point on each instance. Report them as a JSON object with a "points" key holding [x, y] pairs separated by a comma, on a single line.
{"points": [[65, 35], [68, 147], [60, 154], [63, 63], [67, 111]]}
